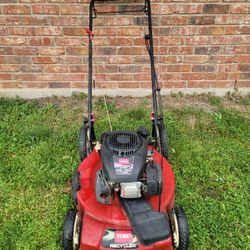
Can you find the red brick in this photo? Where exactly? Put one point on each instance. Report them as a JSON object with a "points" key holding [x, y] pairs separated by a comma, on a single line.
{"points": [[239, 76], [187, 9], [181, 50], [47, 77], [33, 84], [195, 58], [242, 59], [9, 84], [64, 20], [242, 84], [198, 84], [222, 84], [25, 51], [131, 31], [174, 20], [221, 59], [73, 10], [48, 31], [240, 8], [192, 76], [9, 68], [24, 77], [45, 41], [129, 51], [228, 68], [140, 77], [216, 8], [178, 68], [21, 31], [171, 41], [44, 60], [245, 67], [71, 41], [174, 84], [79, 85], [120, 60], [51, 51], [34, 20], [10, 20], [116, 41], [201, 20], [79, 68], [45, 9], [31, 68], [17, 9], [74, 31], [128, 84], [6, 51], [203, 68], [56, 69], [216, 76], [59, 85], [121, 77], [5, 76], [70, 60], [74, 77], [77, 50], [170, 59], [13, 41], [233, 50]]}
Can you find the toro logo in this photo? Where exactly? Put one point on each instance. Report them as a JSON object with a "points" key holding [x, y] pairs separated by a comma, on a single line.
{"points": [[123, 237], [124, 161]]}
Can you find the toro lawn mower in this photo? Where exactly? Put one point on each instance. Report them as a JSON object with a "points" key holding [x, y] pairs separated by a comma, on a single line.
{"points": [[124, 188]]}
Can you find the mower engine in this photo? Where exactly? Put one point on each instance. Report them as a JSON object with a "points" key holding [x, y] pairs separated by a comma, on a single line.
{"points": [[128, 167]]}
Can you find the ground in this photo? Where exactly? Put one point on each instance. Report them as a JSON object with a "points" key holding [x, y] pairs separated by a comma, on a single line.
{"points": [[209, 142]]}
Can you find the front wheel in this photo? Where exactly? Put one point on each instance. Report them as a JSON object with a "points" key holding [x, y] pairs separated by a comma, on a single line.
{"points": [[180, 229], [71, 230]]}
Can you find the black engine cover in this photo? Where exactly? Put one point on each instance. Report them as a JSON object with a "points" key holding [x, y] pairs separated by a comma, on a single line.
{"points": [[123, 155]]}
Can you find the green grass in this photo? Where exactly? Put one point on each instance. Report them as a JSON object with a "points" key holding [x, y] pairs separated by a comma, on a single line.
{"points": [[39, 153]]}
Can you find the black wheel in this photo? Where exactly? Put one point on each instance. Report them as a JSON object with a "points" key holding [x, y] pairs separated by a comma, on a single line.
{"points": [[164, 142], [180, 229], [84, 143], [75, 185], [71, 230]]}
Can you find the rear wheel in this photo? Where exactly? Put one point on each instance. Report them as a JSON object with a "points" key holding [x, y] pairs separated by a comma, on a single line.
{"points": [[75, 185], [84, 143], [180, 229], [164, 142], [71, 230]]}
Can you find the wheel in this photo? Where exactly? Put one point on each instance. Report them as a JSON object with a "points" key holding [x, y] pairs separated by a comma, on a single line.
{"points": [[180, 229], [71, 230], [75, 185], [84, 143], [164, 142]]}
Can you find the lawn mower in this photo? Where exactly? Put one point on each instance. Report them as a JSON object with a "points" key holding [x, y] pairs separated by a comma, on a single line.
{"points": [[124, 187]]}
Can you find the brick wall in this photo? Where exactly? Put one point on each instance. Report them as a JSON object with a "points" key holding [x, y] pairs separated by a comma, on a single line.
{"points": [[198, 44]]}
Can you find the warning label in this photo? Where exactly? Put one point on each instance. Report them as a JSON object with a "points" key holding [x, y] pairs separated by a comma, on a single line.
{"points": [[123, 166]]}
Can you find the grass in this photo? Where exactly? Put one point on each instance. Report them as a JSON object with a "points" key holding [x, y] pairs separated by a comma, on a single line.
{"points": [[39, 153]]}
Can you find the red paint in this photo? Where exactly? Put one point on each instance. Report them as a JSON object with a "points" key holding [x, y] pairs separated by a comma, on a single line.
{"points": [[97, 217]]}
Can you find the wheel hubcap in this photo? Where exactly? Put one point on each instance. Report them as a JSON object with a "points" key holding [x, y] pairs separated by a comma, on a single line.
{"points": [[175, 229], [88, 143], [76, 232]]}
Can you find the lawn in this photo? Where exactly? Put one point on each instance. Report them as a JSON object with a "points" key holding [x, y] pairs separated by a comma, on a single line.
{"points": [[209, 140]]}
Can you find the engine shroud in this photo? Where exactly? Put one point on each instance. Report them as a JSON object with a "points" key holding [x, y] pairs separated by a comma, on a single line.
{"points": [[123, 155]]}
